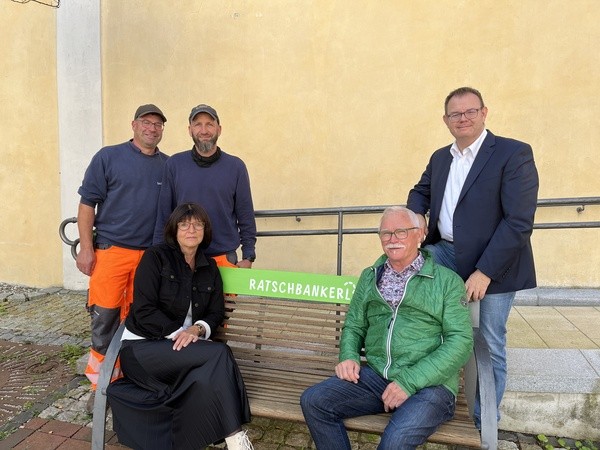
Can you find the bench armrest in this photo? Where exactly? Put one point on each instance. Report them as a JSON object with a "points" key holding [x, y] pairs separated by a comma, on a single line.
{"points": [[479, 374], [106, 370]]}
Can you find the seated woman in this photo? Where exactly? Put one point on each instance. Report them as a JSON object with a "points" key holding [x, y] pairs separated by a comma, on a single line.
{"points": [[177, 304]]}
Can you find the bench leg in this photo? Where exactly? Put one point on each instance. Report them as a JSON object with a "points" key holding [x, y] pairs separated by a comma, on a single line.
{"points": [[106, 370]]}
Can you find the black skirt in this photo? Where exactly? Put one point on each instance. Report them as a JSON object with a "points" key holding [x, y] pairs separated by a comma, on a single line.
{"points": [[169, 399]]}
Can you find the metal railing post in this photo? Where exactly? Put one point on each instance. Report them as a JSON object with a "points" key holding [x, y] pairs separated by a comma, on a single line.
{"points": [[340, 241]]}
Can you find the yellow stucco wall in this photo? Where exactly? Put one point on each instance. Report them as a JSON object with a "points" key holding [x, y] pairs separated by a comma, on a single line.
{"points": [[331, 103], [29, 173], [339, 103]]}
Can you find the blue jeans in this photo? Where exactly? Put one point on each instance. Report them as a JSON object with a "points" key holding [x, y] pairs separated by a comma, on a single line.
{"points": [[327, 404], [493, 315]]}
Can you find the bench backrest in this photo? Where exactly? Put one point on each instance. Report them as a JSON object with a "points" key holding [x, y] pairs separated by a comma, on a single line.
{"points": [[290, 344]]}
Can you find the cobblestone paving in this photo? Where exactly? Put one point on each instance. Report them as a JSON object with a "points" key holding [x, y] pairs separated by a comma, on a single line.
{"points": [[35, 325], [28, 374], [44, 317]]}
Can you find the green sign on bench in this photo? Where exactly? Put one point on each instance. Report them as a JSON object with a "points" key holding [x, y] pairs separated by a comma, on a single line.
{"points": [[290, 285]]}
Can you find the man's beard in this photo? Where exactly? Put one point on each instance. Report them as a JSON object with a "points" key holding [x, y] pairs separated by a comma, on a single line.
{"points": [[204, 147]]}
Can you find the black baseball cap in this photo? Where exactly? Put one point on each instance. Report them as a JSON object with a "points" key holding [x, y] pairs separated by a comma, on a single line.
{"points": [[204, 109], [149, 109]]}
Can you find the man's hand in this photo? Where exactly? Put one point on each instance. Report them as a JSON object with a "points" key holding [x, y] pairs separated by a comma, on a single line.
{"points": [[477, 285], [348, 370], [244, 264], [86, 261], [423, 224], [393, 397]]}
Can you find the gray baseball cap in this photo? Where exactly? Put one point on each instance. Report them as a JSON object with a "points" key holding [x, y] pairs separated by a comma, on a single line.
{"points": [[202, 108], [149, 109]]}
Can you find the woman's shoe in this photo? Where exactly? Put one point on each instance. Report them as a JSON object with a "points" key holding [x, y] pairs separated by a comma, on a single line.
{"points": [[239, 441]]}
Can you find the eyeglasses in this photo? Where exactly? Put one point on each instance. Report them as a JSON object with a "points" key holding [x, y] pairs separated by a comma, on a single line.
{"points": [[400, 233], [469, 114], [156, 125], [184, 226]]}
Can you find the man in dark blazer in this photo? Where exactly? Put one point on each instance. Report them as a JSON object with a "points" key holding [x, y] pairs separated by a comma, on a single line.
{"points": [[481, 195]]}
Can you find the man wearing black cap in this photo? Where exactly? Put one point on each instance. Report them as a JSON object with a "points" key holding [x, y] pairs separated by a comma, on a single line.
{"points": [[216, 180], [116, 219]]}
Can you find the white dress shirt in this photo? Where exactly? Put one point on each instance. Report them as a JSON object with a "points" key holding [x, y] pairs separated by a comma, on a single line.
{"points": [[459, 169]]}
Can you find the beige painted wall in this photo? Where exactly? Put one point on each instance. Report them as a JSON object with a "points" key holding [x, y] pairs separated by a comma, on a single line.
{"points": [[339, 103], [29, 175]]}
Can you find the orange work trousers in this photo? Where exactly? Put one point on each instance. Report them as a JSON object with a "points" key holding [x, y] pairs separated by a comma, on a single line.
{"points": [[109, 298]]}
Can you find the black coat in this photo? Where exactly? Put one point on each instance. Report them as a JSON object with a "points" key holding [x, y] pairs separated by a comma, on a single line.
{"points": [[493, 219], [164, 285]]}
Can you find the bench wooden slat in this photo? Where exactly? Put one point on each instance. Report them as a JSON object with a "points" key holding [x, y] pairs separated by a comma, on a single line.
{"points": [[292, 342], [300, 326], [300, 317], [292, 367]]}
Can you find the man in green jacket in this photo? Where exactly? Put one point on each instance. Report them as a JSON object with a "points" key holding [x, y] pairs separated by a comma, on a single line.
{"points": [[410, 315]]}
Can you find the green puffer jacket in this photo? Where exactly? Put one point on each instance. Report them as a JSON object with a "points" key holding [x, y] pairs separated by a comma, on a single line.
{"points": [[425, 341]]}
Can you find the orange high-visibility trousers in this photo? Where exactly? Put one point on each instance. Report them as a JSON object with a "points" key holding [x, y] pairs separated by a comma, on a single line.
{"points": [[109, 298], [222, 261]]}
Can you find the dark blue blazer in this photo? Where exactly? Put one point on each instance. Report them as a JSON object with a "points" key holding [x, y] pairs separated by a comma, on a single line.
{"points": [[493, 219]]}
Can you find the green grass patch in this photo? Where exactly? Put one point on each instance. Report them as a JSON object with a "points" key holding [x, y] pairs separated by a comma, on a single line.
{"points": [[71, 353]]}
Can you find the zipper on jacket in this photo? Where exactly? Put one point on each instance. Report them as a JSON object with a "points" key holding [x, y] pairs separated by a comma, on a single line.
{"points": [[388, 341]]}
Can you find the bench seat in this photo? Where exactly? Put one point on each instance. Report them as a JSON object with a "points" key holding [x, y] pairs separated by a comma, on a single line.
{"points": [[456, 432]]}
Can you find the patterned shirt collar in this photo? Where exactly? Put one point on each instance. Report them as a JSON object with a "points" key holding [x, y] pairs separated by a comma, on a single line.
{"points": [[413, 267], [392, 284]]}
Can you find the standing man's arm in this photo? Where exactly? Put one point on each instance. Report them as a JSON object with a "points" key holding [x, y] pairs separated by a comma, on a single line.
{"points": [[419, 197], [93, 192], [244, 211], [427, 195], [166, 204], [86, 259], [518, 197]]}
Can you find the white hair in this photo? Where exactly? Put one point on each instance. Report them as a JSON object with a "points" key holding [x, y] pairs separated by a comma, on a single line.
{"points": [[400, 210]]}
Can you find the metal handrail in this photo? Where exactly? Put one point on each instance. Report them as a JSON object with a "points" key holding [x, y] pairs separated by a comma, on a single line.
{"points": [[63, 236], [341, 212]]}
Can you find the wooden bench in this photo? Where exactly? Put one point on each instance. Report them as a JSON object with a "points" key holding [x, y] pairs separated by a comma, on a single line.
{"points": [[284, 346]]}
